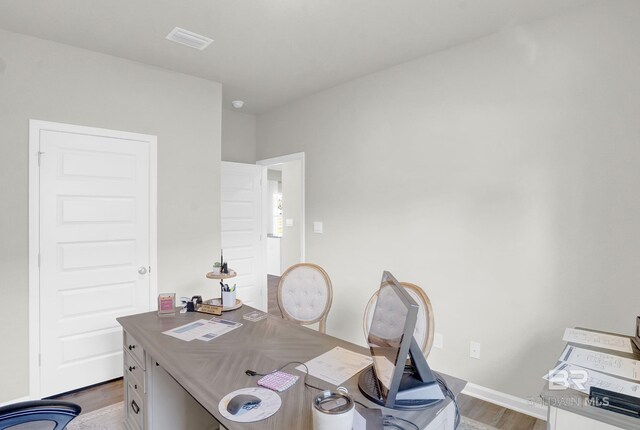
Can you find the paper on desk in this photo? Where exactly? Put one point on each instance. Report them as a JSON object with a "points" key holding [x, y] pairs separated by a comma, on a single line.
{"points": [[602, 362], [203, 329], [337, 365], [599, 340], [581, 379]]}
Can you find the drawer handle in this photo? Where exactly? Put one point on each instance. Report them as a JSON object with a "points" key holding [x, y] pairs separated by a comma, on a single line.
{"points": [[132, 347], [135, 407], [132, 368]]}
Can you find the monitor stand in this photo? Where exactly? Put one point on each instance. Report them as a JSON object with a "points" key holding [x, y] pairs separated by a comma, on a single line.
{"points": [[418, 388]]}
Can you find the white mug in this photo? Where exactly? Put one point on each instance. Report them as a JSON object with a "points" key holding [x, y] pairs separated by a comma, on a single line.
{"points": [[333, 410]]}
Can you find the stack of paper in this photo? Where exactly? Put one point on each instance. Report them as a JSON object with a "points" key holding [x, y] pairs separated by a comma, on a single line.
{"points": [[599, 340], [581, 369], [203, 329], [337, 365]]}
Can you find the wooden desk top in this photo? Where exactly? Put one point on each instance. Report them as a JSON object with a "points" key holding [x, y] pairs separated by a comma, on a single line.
{"points": [[261, 346], [576, 401]]}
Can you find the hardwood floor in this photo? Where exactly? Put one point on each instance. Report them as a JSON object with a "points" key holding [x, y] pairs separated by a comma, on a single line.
{"points": [[112, 392], [497, 416], [97, 396], [272, 291]]}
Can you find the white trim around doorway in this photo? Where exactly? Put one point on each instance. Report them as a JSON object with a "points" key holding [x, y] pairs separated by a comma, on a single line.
{"points": [[285, 159]]}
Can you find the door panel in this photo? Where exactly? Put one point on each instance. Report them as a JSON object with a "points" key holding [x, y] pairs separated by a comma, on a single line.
{"points": [[77, 210], [94, 235], [241, 221]]}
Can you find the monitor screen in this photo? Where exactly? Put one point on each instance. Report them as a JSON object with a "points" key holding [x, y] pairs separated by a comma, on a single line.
{"points": [[394, 315]]}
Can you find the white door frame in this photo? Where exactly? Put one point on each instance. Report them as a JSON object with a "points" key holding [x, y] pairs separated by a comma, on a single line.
{"points": [[35, 128], [285, 159]]}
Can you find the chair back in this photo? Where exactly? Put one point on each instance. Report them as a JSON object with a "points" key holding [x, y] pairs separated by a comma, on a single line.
{"points": [[305, 295], [39, 414], [425, 327]]}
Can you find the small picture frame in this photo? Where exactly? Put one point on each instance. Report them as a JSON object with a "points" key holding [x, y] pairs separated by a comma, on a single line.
{"points": [[166, 304]]}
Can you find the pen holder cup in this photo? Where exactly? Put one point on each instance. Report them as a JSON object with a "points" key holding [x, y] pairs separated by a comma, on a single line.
{"points": [[228, 299]]}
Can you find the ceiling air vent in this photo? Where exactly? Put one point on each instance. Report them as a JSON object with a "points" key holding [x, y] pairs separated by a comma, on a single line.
{"points": [[189, 38]]}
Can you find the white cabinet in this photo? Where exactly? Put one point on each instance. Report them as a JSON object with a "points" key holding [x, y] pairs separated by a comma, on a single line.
{"points": [[445, 419], [560, 419]]}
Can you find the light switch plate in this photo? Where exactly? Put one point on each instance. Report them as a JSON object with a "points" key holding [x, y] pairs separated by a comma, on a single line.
{"points": [[317, 227], [288, 222], [474, 350]]}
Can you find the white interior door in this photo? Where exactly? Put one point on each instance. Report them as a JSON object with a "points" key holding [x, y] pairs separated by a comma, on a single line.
{"points": [[243, 240], [94, 251]]}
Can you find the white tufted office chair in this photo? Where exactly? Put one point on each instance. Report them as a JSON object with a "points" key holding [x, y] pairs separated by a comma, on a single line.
{"points": [[423, 332], [305, 295]]}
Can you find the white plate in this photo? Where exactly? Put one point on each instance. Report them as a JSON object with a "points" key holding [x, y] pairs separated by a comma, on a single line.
{"points": [[270, 404]]}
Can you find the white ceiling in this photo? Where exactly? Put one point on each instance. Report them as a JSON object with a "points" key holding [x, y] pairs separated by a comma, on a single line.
{"points": [[269, 52]]}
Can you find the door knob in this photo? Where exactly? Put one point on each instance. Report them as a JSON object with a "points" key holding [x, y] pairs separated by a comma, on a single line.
{"points": [[142, 270]]}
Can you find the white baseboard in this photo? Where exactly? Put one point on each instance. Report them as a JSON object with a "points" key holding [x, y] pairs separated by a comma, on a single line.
{"points": [[21, 399], [508, 401]]}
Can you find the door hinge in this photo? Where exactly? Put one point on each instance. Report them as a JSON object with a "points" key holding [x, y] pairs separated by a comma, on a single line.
{"points": [[149, 269], [39, 156]]}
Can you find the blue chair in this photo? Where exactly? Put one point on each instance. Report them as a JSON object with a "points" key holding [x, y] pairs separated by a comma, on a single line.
{"points": [[41, 414]]}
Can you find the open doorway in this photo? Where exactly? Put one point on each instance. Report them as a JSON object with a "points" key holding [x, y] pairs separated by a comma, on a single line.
{"points": [[284, 218]]}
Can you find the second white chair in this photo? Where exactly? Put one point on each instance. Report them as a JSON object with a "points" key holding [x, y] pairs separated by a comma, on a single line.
{"points": [[305, 295], [424, 330]]}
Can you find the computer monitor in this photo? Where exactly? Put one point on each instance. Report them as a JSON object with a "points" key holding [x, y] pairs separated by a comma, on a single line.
{"points": [[393, 381]]}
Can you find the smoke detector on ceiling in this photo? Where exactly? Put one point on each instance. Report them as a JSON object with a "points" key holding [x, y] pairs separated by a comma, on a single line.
{"points": [[237, 104], [188, 38]]}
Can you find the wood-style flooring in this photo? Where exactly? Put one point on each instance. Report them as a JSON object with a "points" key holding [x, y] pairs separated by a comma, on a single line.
{"points": [[497, 416], [97, 396], [111, 392]]}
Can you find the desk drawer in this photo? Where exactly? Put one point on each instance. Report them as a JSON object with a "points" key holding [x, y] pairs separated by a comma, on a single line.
{"points": [[134, 373], [135, 407], [132, 345]]}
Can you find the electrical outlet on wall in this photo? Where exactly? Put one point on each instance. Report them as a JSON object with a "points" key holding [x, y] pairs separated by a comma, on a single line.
{"points": [[474, 350], [438, 340]]}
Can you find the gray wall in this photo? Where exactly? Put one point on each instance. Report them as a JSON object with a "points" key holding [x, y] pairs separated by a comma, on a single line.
{"points": [[502, 176], [238, 137], [53, 82]]}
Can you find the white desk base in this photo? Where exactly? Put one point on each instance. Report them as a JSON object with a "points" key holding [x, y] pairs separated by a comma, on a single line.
{"points": [[560, 419]]}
